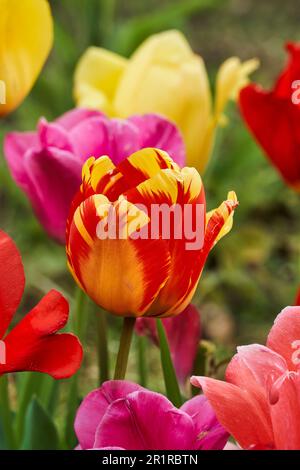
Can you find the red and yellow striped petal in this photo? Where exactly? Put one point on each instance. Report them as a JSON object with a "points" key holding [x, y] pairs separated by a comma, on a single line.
{"points": [[121, 275], [218, 224], [190, 193]]}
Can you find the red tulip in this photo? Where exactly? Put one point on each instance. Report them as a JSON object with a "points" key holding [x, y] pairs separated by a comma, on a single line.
{"points": [[274, 118], [259, 404], [33, 345]]}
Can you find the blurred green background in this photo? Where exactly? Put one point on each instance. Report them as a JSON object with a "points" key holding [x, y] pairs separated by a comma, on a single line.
{"points": [[254, 272]]}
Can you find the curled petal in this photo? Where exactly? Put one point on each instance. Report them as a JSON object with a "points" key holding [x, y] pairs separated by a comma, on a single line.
{"points": [[33, 344], [232, 77], [238, 412]]}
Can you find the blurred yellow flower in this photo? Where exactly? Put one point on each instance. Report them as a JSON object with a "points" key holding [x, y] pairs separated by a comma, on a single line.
{"points": [[26, 37], [163, 76]]}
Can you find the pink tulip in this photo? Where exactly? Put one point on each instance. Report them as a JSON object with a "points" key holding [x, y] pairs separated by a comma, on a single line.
{"points": [[47, 164], [126, 416], [259, 404], [183, 333]]}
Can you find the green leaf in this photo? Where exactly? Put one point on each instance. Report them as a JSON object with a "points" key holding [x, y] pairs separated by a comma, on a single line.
{"points": [[172, 387], [40, 432]]}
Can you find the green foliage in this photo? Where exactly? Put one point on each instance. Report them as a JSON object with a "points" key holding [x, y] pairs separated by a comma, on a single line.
{"points": [[40, 432]]}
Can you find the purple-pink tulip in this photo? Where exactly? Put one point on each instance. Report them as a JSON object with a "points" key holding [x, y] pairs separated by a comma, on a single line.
{"points": [[47, 164], [126, 416], [183, 333]]}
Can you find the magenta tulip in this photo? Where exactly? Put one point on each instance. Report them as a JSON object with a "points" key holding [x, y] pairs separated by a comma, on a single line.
{"points": [[47, 164], [126, 416]]}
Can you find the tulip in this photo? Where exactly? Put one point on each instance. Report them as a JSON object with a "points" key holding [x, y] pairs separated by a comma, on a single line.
{"points": [[126, 416], [163, 76], [259, 404], [26, 37], [273, 118], [33, 345], [183, 333], [47, 164], [134, 273]]}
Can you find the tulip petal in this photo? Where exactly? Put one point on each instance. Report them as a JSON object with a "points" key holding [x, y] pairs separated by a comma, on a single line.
{"points": [[232, 77], [62, 185], [164, 76], [184, 333], [183, 188], [33, 345], [96, 266], [96, 78], [100, 136], [211, 435], [26, 36], [12, 281], [158, 132], [237, 411], [254, 369], [284, 336], [94, 407], [53, 135], [15, 146], [286, 414], [218, 225], [74, 117], [145, 421], [278, 137]]}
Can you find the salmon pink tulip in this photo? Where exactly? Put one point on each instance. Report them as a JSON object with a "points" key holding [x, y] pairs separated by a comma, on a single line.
{"points": [[126, 416], [259, 404]]}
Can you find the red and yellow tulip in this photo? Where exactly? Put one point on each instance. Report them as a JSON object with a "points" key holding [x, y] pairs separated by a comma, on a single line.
{"points": [[132, 276], [26, 37]]}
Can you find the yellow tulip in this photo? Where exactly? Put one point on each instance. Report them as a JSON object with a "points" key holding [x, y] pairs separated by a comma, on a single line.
{"points": [[26, 37], [163, 76]]}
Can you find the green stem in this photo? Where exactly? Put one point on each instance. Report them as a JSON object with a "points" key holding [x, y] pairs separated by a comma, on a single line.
{"points": [[141, 347], [79, 326], [172, 387], [79, 319], [124, 347], [5, 413], [103, 359]]}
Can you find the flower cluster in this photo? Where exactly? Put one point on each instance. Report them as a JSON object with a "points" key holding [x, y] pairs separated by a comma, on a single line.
{"points": [[116, 181]]}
